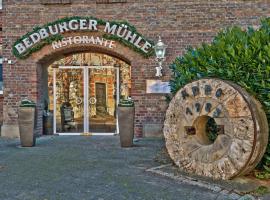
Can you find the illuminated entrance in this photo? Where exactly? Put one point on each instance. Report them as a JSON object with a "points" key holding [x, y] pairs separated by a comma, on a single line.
{"points": [[84, 91]]}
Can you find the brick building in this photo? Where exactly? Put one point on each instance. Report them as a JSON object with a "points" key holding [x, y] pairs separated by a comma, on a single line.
{"points": [[76, 56]]}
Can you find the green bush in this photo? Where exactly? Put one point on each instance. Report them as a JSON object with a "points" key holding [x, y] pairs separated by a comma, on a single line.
{"points": [[241, 56]]}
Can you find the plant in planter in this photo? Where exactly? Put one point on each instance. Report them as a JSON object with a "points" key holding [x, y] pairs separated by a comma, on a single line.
{"points": [[126, 103], [126, 113], [241, 56]]}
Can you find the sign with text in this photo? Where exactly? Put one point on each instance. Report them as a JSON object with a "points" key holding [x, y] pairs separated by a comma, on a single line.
{"points": [[83, 40], [53, 32]]}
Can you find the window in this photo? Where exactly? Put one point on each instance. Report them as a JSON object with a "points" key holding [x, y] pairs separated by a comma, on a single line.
{"points": [[0, 4]]}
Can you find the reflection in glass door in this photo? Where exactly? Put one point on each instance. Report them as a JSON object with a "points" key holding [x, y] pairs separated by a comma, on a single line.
{"points": [[69, 100], [83, 91], [85, 99], [103, 97]]}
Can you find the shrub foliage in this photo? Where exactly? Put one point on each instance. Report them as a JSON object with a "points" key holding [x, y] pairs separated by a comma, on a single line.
{"points": [[241, 56]]}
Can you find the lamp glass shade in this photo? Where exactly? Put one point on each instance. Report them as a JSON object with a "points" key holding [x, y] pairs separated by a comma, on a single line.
{"points": [[160, 53], [160, 49]]}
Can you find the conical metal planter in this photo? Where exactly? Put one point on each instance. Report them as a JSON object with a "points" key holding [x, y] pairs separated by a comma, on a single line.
{"points": [[26, 125]]}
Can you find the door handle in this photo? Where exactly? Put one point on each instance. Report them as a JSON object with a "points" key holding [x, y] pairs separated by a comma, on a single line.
{"points": [[92, 100]]}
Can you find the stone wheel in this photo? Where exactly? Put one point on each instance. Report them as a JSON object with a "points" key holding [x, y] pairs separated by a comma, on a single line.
{"points": [[242, 129]]}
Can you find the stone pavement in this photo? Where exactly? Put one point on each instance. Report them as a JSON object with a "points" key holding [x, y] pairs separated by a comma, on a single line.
{"points": [[82, 168]]}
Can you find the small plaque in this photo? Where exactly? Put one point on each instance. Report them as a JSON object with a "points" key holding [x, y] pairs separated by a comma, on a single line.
{"points": [[157, 86]]}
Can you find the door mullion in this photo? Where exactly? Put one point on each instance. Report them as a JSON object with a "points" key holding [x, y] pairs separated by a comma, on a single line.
{"points": [[85, 92], [117, 97], [54, 101]]}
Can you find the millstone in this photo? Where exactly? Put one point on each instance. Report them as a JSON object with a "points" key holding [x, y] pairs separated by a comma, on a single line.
{"points": [[242, 129]]}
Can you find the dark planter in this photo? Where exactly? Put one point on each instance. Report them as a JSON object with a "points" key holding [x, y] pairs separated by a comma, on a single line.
{"points": [[126, 125], [48, 123], [26, 125]]}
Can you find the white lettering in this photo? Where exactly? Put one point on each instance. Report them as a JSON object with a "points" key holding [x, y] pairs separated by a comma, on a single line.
{"points": [[64, 42], [69, 40], [99, 41], [111, 45], [73, 25], [56, 45], [109, 29], [77, 40], [93, 25], [92, 40], [146, 47], [55, 31], [137, 43], [43, 33], [85, 40], [63, 27], [130, 37], [20, 48], [119, 34], [27, 42], [83, 24], [121, 31], [35, 37], [105, 42]]}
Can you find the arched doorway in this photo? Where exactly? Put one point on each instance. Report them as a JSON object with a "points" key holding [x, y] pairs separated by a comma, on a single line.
{"points": [[83, 92], [34, 84], [47, 56]]}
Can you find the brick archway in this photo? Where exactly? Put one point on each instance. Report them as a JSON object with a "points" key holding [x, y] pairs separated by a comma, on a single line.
{"points": [[47, 54], [33, 69]]}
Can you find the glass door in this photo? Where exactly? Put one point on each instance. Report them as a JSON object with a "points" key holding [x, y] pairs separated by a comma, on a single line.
{"points": [[103, 99], [68, 99], [85, 99]]}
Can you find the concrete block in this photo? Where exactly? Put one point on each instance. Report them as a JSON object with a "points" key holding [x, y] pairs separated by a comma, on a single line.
{"points": [[152, 130]]}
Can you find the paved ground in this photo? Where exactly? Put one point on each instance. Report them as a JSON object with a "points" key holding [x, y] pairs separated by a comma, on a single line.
{"points": [[78, 168]]}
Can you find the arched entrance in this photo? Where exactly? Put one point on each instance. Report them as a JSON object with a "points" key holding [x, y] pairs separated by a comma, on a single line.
{"points": [[83, 92], [37, 50], [48, 58]]}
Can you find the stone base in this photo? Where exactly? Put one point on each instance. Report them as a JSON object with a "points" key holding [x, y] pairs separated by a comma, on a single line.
{"points": [[152, 130], [10, 131]]}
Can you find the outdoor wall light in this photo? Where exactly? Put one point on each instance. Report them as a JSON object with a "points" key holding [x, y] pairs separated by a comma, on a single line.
{"points": [[160, 50]]}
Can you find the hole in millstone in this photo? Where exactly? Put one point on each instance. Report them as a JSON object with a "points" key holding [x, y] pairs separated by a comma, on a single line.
{"points": [[207, 130], [212, 129]]}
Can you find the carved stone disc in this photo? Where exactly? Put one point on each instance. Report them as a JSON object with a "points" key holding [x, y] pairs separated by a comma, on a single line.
{"points": [[242, 129]]}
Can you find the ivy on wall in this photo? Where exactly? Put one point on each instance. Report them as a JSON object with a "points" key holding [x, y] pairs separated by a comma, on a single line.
{"points": [[241, 56], [58, 37]]}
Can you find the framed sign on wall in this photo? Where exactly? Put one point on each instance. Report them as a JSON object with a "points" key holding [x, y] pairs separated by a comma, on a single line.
{"points": [[157, 87]]}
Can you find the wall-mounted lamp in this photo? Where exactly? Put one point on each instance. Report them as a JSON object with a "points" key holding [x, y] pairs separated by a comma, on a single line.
{"points": [[9, 62], [160, 50]]}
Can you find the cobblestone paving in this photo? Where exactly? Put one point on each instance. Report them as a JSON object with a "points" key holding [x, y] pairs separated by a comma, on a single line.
{"points": [[82, 168]]}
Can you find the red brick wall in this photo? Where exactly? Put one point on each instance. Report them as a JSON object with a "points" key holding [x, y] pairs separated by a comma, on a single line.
{"points": [[1, 96], [180, 24], [1, 109]]}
